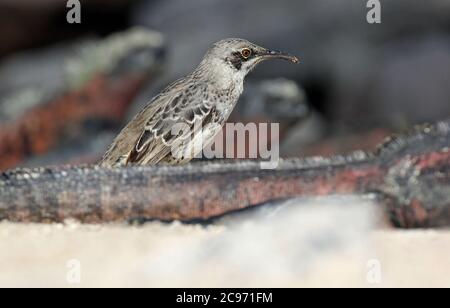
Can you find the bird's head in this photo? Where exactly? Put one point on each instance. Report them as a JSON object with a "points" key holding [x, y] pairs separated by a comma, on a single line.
{"points": [[240, 56]]}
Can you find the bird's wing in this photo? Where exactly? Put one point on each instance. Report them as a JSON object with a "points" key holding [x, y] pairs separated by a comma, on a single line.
{"points": [[173, 122], [118, 152], [120, 149]]}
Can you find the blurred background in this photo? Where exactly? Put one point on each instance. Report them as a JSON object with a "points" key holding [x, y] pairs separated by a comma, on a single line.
{"points": [[67, 89]]}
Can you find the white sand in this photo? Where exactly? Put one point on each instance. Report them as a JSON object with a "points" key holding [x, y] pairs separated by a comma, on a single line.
{"points": [[313, 244]]}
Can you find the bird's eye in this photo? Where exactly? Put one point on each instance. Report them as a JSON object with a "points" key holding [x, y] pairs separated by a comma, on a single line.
{"points": [[246, 53]]}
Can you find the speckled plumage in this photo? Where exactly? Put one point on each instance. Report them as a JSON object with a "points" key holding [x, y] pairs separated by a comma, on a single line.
{"points": [[204, 98]]}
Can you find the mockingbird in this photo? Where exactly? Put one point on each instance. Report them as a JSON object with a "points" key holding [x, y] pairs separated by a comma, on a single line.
{"points": [[204, 98]]}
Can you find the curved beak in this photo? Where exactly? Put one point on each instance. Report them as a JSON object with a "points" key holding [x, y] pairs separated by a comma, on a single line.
{"points": [[267, 54]]}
